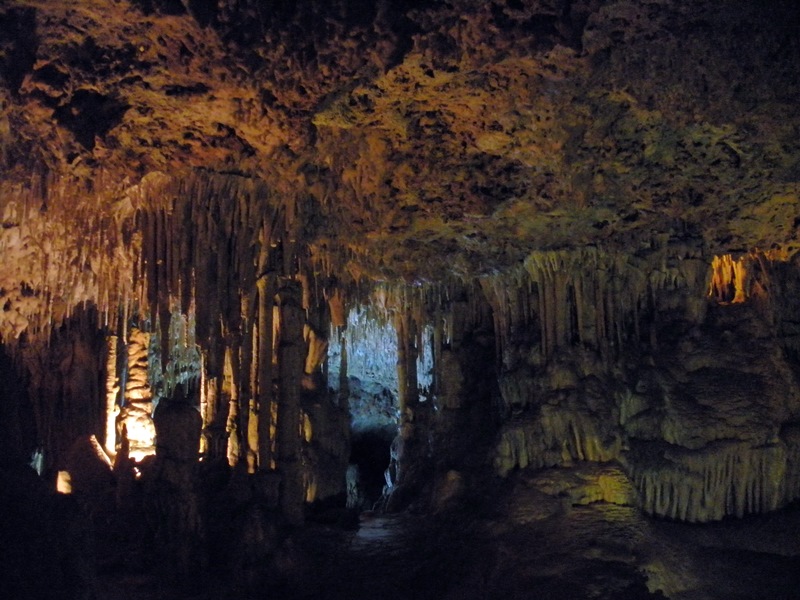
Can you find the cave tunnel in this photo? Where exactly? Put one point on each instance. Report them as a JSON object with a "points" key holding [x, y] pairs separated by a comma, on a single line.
{"points": [[436, 301]]}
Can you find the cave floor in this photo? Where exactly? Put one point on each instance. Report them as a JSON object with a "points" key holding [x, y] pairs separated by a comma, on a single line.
{"points": [[598, 551]]}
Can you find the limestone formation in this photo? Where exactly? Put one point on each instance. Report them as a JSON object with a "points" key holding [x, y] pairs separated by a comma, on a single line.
{"points": [[539, 245]]}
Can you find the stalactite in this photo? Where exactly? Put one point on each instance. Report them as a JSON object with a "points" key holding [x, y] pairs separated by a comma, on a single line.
{"points": [[151, 262], [558, 438], [213, 430], [337, 308], [587, 297], [737, 280], [436, 350], [722, 479], [728, 279], [317, 349], [413, 342]]}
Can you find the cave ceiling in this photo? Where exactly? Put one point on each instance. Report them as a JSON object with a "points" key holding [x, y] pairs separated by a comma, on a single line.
{"points": [[427, 138]]}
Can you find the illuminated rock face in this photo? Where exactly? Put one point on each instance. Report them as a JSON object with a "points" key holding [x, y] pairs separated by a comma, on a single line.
{"points": [[700, 406], [578, 218], [135, 420]]}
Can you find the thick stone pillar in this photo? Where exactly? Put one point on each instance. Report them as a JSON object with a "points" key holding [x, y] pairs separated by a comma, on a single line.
{"points": [[291, 361], [135, 423], [407, 387], [175, 506], [247, 373], [408, 449], [267, 285]]}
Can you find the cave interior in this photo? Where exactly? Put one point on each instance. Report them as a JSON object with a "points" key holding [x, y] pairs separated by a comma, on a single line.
{"points": [[457, 299]]}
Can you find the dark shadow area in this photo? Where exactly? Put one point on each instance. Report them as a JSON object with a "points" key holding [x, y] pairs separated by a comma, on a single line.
{"points": [[370, 456]]}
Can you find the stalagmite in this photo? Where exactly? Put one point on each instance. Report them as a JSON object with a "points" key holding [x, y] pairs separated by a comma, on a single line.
{"points": [[173, 491]]}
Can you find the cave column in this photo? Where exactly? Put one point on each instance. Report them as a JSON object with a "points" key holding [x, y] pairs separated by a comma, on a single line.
{"points": [[213, 405], [135, 422], [266, 285], [291, 361], [112, 394], [248, 444], [338, 319], [230, 389], [407, 389], [209, 401], [404, 446]]}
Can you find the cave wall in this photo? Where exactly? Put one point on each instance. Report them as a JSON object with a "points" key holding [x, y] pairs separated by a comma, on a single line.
{"points": [[696, 396]]}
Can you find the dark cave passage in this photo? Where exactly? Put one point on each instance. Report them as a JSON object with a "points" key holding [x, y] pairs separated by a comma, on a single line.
{"points": [[369, 457]]}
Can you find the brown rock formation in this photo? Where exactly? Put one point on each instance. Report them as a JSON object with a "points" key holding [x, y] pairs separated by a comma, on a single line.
{"points": [[523, 233]]}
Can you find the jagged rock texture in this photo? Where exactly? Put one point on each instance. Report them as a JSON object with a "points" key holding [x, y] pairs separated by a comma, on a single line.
{"points": [[604, 195]]}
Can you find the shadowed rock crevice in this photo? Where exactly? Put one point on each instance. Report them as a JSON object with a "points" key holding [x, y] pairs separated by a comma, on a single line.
{"points": [[89, 115]]}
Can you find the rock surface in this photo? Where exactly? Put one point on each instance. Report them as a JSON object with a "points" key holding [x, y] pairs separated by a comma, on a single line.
{"points": [[551, 242]]}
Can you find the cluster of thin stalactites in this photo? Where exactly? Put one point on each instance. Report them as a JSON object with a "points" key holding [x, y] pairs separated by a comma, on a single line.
{"points": [[212, 275]]}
